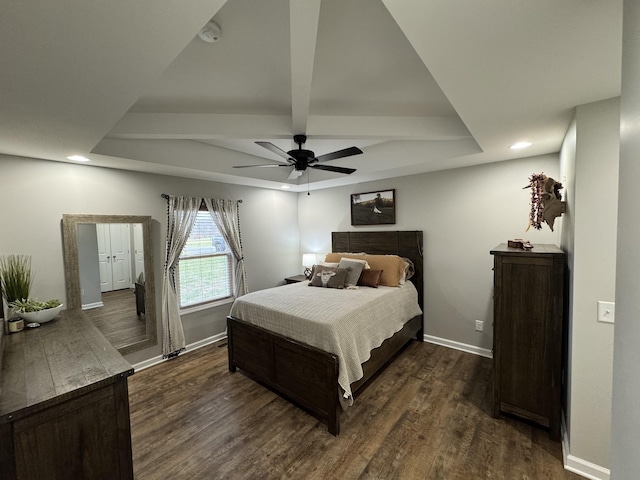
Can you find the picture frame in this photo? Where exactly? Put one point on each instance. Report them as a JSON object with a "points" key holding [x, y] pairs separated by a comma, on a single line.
{"points": [[373, 208]]}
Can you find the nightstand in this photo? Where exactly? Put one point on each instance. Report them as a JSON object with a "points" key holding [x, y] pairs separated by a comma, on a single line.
{"points": [[295, 279]]}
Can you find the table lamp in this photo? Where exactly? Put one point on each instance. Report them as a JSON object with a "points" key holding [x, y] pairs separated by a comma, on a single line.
{"points": [[308, 261]]}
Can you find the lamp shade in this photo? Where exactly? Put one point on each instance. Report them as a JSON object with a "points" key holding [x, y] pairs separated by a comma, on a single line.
{"points": [[308, 259]]}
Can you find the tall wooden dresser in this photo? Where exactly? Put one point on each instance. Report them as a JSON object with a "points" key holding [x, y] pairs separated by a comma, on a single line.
{"points": [[528, 333]]}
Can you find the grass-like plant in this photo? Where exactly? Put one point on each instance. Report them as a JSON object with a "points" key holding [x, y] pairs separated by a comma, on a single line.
{"points": [[15, 277], [33, 305]]}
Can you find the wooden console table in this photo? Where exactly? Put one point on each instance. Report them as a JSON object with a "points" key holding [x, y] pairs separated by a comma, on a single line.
{"points": [[64, 407]]}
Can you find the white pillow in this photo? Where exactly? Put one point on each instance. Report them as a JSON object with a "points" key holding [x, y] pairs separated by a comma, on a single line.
{"points": [[327, 264]]}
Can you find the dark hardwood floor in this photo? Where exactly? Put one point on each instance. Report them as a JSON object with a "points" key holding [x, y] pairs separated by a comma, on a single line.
{"points": [[117, 319], [427, 416]]}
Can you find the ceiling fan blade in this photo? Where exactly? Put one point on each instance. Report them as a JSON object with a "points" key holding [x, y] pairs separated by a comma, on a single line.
{"points": [[331, 168], [347, 152], [264, 165], [271, 147], [294, 174]]}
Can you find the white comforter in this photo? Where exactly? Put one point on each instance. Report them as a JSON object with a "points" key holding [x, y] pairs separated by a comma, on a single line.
{"points": [[348, 323]]}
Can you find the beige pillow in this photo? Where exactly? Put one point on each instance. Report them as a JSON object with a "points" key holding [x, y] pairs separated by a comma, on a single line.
{"points": [[409, 270], [392, 266]]}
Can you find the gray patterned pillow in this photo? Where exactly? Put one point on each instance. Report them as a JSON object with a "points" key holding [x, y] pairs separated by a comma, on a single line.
{"points": [[328, 277]]}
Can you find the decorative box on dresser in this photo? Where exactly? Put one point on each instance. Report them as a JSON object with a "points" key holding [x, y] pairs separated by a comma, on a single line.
{"points": [[64, 406], [528, 332]]}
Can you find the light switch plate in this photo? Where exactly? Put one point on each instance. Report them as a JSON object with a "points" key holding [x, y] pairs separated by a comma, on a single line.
{"points": [[606, 312]]}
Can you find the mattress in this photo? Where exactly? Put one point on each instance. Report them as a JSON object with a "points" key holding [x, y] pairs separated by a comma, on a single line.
{"points": [[346, 322]]}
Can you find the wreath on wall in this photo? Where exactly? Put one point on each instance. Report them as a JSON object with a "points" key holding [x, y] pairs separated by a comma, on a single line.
{"points": [[546, 201]]}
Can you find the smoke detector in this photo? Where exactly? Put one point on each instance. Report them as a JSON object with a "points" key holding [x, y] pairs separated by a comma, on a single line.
{"points": [[211, 32]]}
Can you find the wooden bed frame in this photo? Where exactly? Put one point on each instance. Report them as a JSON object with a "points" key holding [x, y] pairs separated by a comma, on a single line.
{"points": [[306, 375]]}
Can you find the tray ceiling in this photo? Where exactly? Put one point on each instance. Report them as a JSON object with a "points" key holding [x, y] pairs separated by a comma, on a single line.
{"points": [[418, 86]]}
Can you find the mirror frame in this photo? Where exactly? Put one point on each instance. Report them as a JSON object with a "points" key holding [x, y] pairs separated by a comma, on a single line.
{"points": [[72, 269]]}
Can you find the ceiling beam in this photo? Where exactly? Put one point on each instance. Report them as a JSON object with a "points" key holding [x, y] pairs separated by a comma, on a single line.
{"points": [[388, 128], [304, 18], [198, 126]]}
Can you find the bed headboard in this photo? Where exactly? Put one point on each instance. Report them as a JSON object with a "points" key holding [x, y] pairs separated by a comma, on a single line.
{"points": [[406, 243]]}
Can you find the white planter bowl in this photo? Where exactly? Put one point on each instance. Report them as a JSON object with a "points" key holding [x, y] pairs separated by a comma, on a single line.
{"points": [[42, 316]]}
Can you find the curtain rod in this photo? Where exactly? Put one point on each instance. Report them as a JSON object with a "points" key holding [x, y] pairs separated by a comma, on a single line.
{"points": [[166, 197]]}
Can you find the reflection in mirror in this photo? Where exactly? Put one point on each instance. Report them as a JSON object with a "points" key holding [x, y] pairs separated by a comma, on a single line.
{"points": [[109, 275], [112, 281]]}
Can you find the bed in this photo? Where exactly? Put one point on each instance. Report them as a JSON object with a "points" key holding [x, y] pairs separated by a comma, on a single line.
{"points": [[323, 378]]}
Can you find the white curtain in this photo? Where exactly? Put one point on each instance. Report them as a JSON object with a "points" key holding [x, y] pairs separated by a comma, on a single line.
{"points": [[181, 215], [226, 216]]}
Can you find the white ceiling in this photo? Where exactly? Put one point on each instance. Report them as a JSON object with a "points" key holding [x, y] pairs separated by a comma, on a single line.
{"points": [[417, 85]]}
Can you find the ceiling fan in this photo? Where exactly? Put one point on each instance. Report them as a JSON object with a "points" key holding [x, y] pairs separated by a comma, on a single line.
{"points": [[300, 159]]}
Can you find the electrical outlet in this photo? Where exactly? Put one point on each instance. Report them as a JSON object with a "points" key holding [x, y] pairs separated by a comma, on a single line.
{"points": [[479, 325]]}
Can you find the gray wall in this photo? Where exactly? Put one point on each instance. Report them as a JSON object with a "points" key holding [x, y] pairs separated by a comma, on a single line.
{"points": [[463, 213], [589, 166], [35, 194], [625, 461], [88, 264]]}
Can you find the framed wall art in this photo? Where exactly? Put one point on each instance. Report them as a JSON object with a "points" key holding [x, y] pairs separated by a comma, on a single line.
{"points": [[373, 208]]}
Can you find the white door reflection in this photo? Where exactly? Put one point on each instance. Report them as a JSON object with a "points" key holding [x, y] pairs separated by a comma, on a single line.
{"points": [[111, 264]]}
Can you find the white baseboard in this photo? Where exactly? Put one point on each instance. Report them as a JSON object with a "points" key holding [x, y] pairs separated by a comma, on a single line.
{"points": [[89, 306], [192, 346], [483, 352], [586, 469], [577, 465]]}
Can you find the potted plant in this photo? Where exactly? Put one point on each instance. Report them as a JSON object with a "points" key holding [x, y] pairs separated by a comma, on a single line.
{"points": [[15, 277], [34, 310]]}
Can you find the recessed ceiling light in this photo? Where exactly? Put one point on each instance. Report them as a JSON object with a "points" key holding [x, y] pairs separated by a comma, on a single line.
{"points": [[78, 158], [520, 145], [285, 187]]}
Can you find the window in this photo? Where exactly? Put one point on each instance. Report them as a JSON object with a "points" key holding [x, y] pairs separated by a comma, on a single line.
{"points": [[205, 268]]}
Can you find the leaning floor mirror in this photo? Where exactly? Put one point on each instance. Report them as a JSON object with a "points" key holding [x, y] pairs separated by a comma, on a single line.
{"points": [[108, 263]]}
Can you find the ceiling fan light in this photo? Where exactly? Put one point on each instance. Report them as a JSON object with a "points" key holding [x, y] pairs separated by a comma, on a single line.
{"points": [[301, 159]]}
